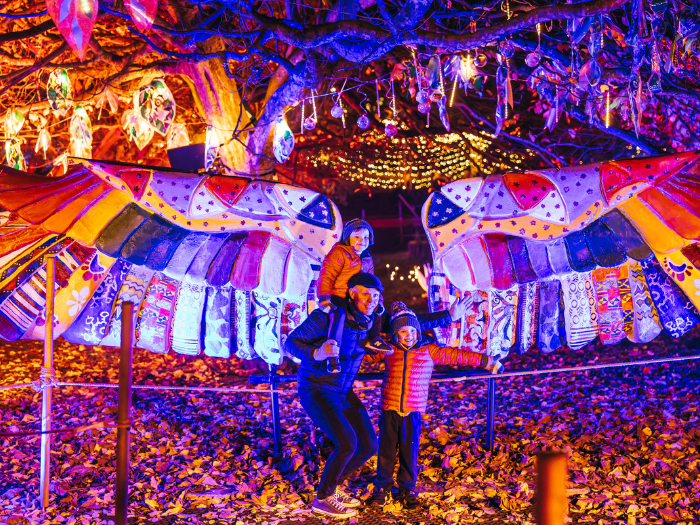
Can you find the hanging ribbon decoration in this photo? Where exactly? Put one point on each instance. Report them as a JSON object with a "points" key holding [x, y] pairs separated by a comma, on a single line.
{"points": [[14, 120], [75, 20]]}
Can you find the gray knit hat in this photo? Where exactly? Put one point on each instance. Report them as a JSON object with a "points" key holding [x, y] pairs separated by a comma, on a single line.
{"points": [[356, 224], [402, 316]]}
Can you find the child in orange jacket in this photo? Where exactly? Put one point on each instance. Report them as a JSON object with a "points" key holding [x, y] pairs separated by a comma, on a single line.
{"points": [[405, 397], [346, 258]]}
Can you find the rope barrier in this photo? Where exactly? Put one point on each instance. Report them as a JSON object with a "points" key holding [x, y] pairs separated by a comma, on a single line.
{"points": [[572, 369], [46, 380], [72, 430]]}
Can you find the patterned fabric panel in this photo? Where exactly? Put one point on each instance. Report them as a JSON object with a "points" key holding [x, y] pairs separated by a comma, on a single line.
{"points": [[441, 294], [272, 267], [528, 315], [580, 256], [501, 267], [550, 336], [116, 233], [677, 314], [503, 321], [137, 248], [475, 326], [219, 272], [517, 248], [558, 256], [160, 255], [266, 325], [293, 315], [154, 315], [184, 253], [90, 326], [580, 313], [611, 324], [187, 320], [646, 325], [240, 325], [132, 289], [539, 261], [657, 235], [217, 322]]}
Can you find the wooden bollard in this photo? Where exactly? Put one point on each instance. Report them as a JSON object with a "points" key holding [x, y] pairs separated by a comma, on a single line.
{"points": [[552, 504]]}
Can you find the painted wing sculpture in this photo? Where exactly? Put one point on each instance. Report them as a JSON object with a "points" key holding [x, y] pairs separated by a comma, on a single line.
{"points": [[560, 257], [214, 264]]}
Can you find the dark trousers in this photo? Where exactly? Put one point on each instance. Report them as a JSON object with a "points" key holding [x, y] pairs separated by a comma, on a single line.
{"points": [[402, 433], [345, 421]]}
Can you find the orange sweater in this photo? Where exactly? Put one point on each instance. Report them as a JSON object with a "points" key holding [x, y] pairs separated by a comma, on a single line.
{"points": [[340, 264], [407, 373]]}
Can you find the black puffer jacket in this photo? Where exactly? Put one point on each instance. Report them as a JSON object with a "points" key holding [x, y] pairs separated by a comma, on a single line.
{"points": [[313, 332]]}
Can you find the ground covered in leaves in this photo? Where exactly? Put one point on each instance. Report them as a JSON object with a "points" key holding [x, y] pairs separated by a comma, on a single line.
{"points": [[632, 436]]}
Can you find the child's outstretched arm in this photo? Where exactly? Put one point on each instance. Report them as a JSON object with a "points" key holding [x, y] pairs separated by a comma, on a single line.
{"points": [[448, 355]]}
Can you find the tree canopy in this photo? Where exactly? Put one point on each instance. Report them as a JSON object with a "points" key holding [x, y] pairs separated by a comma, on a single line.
{"points": [[520, 84]]}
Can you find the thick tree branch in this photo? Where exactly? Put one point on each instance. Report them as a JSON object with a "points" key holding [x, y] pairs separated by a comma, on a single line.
{"points": [[28, 33], [18, 77]]}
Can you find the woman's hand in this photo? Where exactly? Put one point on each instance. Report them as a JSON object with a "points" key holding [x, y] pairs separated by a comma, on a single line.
{"points": [[460, 306]]}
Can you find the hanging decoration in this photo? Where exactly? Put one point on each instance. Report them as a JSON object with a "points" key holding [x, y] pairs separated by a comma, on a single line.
{"points": [[59, 92], [80, 134], [310, 122], [534, 57], [211, 147], [110, 98], [504, 92], [177, 136], [155, 104], [43, 140], [14, 120], [390, 128], [137, 129], [142, 12], [337, 110], [75, 20], [363, 122], [282, 140], [655, 77], [14, 157]]}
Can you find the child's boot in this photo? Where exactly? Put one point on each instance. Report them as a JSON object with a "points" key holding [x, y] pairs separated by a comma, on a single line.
{"points": [[379, 497], [379, 345]]}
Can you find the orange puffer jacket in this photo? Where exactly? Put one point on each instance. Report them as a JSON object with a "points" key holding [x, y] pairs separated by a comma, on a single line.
{"points": [[340, 264], [407, 373]]}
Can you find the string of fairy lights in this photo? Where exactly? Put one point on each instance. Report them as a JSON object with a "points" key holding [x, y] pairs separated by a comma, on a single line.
{"points": [[415, 162]]}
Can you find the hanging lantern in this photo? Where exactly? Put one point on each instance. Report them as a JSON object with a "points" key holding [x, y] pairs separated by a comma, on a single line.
{"points": [[507, 49], [75, 21], [142, 12], [211, 147], [309, 123], [424, 108], [336, 111], [14, 120], [110, 98], [59, 92], [481, 60], [422, 97], [43, 140], [363, 122], [137, 129], [533, 59], [80, 134], [155, 104], [390, 129], [14, 158], [282, 140], [177, 136]]}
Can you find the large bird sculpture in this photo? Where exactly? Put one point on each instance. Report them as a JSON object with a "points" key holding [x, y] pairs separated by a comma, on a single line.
{"points": [[214, 264], [560, 257]]}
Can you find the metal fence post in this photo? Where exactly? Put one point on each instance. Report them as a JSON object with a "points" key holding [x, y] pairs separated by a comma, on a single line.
{"points": [[275, 408], [47, 373], [551, 505], [121, 500], [490, 409]]}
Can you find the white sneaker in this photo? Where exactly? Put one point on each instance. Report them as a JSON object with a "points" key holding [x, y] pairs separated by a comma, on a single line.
{"points": [[332, 507], [347, 499]]}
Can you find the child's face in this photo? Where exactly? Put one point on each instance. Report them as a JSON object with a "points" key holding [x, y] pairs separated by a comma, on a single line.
{"points": [[359, 240], [407, 336]]}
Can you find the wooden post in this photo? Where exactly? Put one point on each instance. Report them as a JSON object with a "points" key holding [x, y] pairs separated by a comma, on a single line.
{"points": [[275, 409], [47, 373], [551, 505], [490, 413], [121, 499]]}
